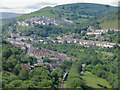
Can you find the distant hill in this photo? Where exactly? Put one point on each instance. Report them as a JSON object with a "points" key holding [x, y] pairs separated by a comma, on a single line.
{"points": [[82, 15], [7, 15], [78, 12]]}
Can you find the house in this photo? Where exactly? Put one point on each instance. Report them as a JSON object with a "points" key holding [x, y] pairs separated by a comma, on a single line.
{"points": [[82, 72], [24, 38], [76, 41], [23, 46], [23, 23], [26, 66], [83, 65], [90, 28]]}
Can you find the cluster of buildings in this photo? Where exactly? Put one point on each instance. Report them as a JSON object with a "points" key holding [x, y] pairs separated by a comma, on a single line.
{"points": [[18, 43], [42, 20], [22, 23], [10, 32], [86, 43], [20, 38], [56, 57], [31, 38], [40, 53], [99, 32]]}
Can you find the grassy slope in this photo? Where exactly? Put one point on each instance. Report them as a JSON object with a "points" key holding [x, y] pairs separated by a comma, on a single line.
{"points": [[109, 21], [109, 24], [42, 12], [92, 81], [72, 11], [88, 78]]}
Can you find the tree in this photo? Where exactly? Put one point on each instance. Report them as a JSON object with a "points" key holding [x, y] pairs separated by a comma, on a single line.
{"points": [[45, 84], [33, 60], [16, 70], [23, 75], [36, 78], [100, 73], [9, 86], [6, 53], [75, 82], [44, 75], [66, 65], [11, 62], [46, 59], [55, 77], [65, 42], [16, 83]]}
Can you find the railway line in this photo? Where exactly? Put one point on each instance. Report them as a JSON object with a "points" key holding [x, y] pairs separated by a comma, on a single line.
{"points": [[64, 80]]}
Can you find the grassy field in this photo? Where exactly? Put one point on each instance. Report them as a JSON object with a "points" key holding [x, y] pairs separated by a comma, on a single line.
{"points": [[81, 50], [110, 25], [109, 21], [94, 81]]}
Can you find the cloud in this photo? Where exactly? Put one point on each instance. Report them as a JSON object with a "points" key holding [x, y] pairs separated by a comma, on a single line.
{"points": [[27, 6], [40, 5], [18, 10], [33, 7], [115, 3], [46, 3], [5, 8]]}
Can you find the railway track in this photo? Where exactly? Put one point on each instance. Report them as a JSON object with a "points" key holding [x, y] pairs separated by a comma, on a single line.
{"points": [[63, 85], [63, 80]]}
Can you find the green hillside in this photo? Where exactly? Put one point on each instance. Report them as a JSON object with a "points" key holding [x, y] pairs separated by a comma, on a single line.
{"points": [[109, 21], [94, 81], [86, 80], [82, 14], [78, 12]]}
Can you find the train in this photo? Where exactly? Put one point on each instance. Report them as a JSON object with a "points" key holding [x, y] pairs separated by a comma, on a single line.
{"points": [[64, 77]]}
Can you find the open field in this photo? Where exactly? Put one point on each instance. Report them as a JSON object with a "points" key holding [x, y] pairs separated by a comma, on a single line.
{"points": [[94, 81]]}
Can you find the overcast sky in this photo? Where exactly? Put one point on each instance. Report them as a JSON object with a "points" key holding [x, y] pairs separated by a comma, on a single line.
{"points": [[27, 6]]}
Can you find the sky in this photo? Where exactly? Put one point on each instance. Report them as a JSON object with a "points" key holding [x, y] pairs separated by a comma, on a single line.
{"points": [[27, 6]]}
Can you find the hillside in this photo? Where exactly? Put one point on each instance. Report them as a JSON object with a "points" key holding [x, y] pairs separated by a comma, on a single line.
{"points": [[8, 17], [86, 80], [78, 12], [109, 21], [67, 18]]}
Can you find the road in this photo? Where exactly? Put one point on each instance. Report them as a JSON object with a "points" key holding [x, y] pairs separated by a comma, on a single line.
{"points": [[108, 53]]}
